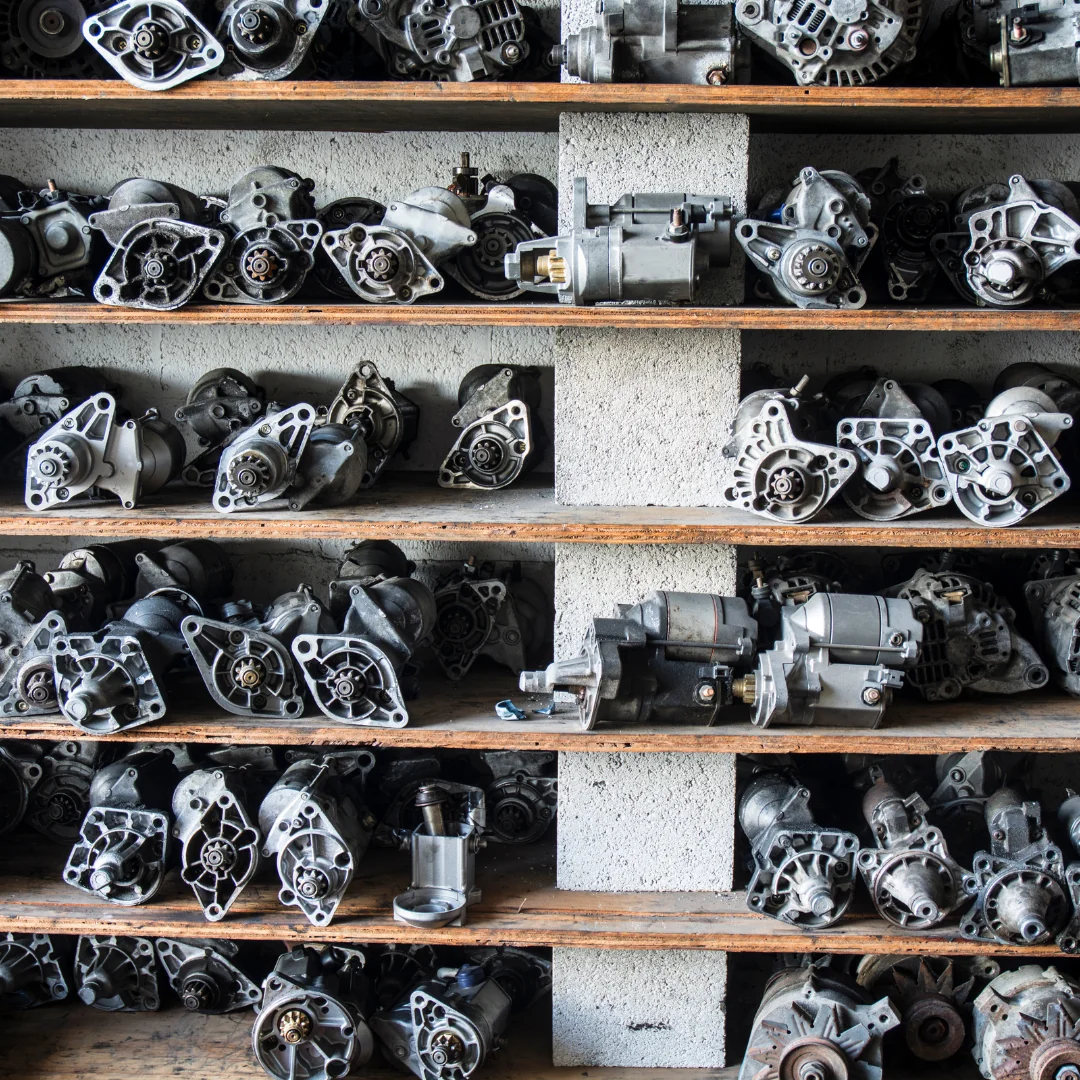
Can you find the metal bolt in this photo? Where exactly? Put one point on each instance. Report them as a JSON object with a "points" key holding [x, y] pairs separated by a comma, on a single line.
{"points": [[871, 696]]}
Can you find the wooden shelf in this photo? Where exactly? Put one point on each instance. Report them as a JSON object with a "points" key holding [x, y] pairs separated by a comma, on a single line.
{"points": [[760, 317], [462, 716], [520, 906], [403, 106], [411, 506]]}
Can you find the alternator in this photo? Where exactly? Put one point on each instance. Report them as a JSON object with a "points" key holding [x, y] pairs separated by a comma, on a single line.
{"points": [[153, 44], [443, 850], [122, 851], [313, 1022], [811, 241], [1019, 884], [521, 800], [1068, 819], [373, 409], [219, 837], [804, 873], [205, 976], [1054, 604], [458, 41], [113, 680], [502, 436], [913, 880], [268, 39], [31, 972], [117, 974], [969, 639], [672, 657], [779, 471], [316, 827], [820, 1023], [1027, 1026], [899, 472], [640, 248], [59, 801], [92, 450], [1026, 44], [659, 41], [837, 661], [274, 232], [164, 245], [447, 1027], [354, 675]]}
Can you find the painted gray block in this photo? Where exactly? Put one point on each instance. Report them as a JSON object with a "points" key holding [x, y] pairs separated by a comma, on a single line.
{"points": [[632, 1008], [658, 822], [590, 579]]}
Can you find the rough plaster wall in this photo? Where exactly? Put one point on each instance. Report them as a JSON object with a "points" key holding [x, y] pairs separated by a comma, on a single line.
{"points": [[626, 1007], [623, 822]]}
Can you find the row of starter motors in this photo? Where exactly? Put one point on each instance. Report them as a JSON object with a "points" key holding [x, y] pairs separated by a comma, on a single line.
{"points": [[77, 443], [1019, 892], [1001, 244], [77, 641], [320, 1011], [818, 1020], [234, 810], [800, 651], [151, 244], [894, 450]]}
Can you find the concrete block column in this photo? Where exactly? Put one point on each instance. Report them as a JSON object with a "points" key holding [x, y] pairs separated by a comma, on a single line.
{"points": [[640, 420]]}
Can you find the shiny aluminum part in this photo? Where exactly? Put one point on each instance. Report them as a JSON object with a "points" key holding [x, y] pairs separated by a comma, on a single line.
{"points": [[810, 242], [31, 971], [1018, 886], [59, 801], [268, 39], [373, 408], [912, 879], [834, 42], [219, 837], [672, 657], [117, 974], [381, 265], [804, 873], [205, 976], [153, 44]]}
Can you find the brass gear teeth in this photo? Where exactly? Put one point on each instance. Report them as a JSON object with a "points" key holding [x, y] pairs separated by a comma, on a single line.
{"points": [[294, 1026]]}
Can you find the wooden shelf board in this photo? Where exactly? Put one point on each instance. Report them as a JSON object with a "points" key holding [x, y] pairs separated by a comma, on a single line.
{"points": [[410, 506], [462, 716], [523, 106], [551, 315], [520, 906]]}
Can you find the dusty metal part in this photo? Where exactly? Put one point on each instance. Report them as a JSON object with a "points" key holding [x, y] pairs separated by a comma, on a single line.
{"points": [[780, 470], [122, 850], [376, 412], [205, 976], [20, 772], [804, 873], [813, 1022], [899, 472], [1026, 44], [829, 43], [969, 639], [59, 801], [315, 826], [219, 403], [31, 971], [92, 450], [26, 610], [332, 468], [40, 400], [965, 780], [313, 1019], [460, 41], [355, 676], [268, 39], [672, 657], [769, 585], [501, 436], [219, 837], [811, 241], [1027, 1026], [42, 39], [521, 799], [88, 581], [912, 879], [200, 568], [113, 680], [352, 210], [524, 976], [837, 660], [1019, 889], [660, 41], [443, 850], [153, 44], [641, 248], [446, 1027], [117, 974]]}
